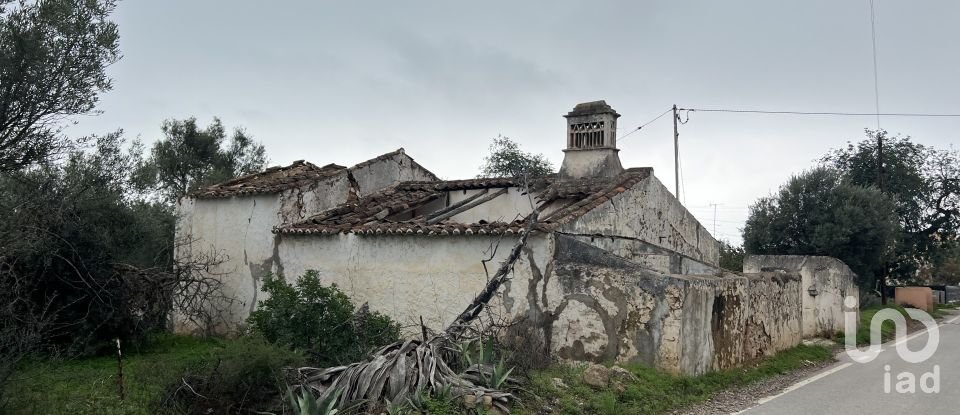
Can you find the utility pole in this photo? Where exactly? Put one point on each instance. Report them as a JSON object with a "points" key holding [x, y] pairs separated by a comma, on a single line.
{"points": [[880, 160], [676, 154], [883, 275]]}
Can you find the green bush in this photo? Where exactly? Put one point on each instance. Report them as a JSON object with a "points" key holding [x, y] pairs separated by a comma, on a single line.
{"points": [[320, 321], [245, 375]]}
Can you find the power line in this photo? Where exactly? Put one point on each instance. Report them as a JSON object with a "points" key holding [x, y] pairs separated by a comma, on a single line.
{"points": [[876, 79], [646, 124], [851, 114]]}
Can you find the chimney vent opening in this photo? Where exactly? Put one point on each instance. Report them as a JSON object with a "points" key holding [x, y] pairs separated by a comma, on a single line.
{"points": [[591, 125]]}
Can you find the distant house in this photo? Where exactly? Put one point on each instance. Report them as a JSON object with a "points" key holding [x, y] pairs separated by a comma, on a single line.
{"points": [[616, 269]]}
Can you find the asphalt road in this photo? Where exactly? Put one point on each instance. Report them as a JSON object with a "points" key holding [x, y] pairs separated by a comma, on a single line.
{"points": [[855, 388]]}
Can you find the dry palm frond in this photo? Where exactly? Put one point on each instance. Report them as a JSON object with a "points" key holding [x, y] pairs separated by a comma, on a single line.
{"points": [[394, 373], [407, 369]]}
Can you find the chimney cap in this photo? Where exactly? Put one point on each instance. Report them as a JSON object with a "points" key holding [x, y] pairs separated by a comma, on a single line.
{"points": [[592, 108]]}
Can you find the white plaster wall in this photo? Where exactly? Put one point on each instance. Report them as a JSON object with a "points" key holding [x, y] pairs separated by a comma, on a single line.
{"points": [[506, 207], [407, 277], [388, 172], [301, 203], [239, 230], [650, 213]]}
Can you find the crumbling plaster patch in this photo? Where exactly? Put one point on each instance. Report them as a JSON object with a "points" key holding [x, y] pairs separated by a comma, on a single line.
{"points": [[831, 279], [774, 316]]}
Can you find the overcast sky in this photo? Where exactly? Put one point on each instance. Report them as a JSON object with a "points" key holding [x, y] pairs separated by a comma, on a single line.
{"points": [[346, 81]]}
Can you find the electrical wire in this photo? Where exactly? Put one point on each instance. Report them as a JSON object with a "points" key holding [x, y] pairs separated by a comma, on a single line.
{"points": [[645, 124], [852, 114], [876, 78]]}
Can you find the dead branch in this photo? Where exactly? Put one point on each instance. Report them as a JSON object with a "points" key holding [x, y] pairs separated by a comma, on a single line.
{"points": [[455, 329]]}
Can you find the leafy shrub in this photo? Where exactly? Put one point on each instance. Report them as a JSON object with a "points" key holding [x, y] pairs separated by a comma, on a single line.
{"points": [[320, 320], [245, 375]]}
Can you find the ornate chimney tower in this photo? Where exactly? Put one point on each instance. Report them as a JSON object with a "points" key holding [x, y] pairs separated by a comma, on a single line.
{"points": [[591, 142]]}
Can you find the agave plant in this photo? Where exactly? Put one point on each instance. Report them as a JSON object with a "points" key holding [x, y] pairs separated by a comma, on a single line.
{"points": [[481, 369], [399, 408], [499, 375], [304, 403]]}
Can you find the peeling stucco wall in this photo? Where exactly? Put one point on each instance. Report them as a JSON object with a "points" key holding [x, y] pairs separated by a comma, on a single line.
{"points": [[832, 279], [377, 174], [240, 229], [647, 254], [600, 307], [774, 314], [715, 312], [647, 212]]}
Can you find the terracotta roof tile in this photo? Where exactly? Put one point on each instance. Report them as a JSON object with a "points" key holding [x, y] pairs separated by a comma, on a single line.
{"points": [[370, 214], [277, 179], [478, 183], [271, 180]]}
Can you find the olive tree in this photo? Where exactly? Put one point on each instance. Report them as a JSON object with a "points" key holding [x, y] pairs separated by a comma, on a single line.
{"points": [[53, 60], [506, 159], [818, 213]]}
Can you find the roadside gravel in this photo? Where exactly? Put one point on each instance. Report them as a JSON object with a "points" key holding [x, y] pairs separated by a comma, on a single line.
{"points": [[737, 399]]}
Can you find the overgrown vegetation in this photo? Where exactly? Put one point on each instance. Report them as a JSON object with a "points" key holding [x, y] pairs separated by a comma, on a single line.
{"points": [[246, 375], [86, 223], [54, 59], [239, 370], [650, 391], [320, 321], [731, 257]]}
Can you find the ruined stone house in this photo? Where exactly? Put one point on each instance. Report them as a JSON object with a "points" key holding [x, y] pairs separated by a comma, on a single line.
{"points": [[616, 269]]}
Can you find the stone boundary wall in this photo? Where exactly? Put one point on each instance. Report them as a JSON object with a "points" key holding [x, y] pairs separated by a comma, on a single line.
{"points": [[609, 309], [774, 317], [825, 282]]}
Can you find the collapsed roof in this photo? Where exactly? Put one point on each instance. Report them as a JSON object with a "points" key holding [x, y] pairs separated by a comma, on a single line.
{"points": [[375, 214], [277, 179], [271, 180]]}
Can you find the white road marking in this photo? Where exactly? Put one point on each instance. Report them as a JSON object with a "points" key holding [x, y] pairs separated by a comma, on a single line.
{"points": [[822, 375], [797, 385]]}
